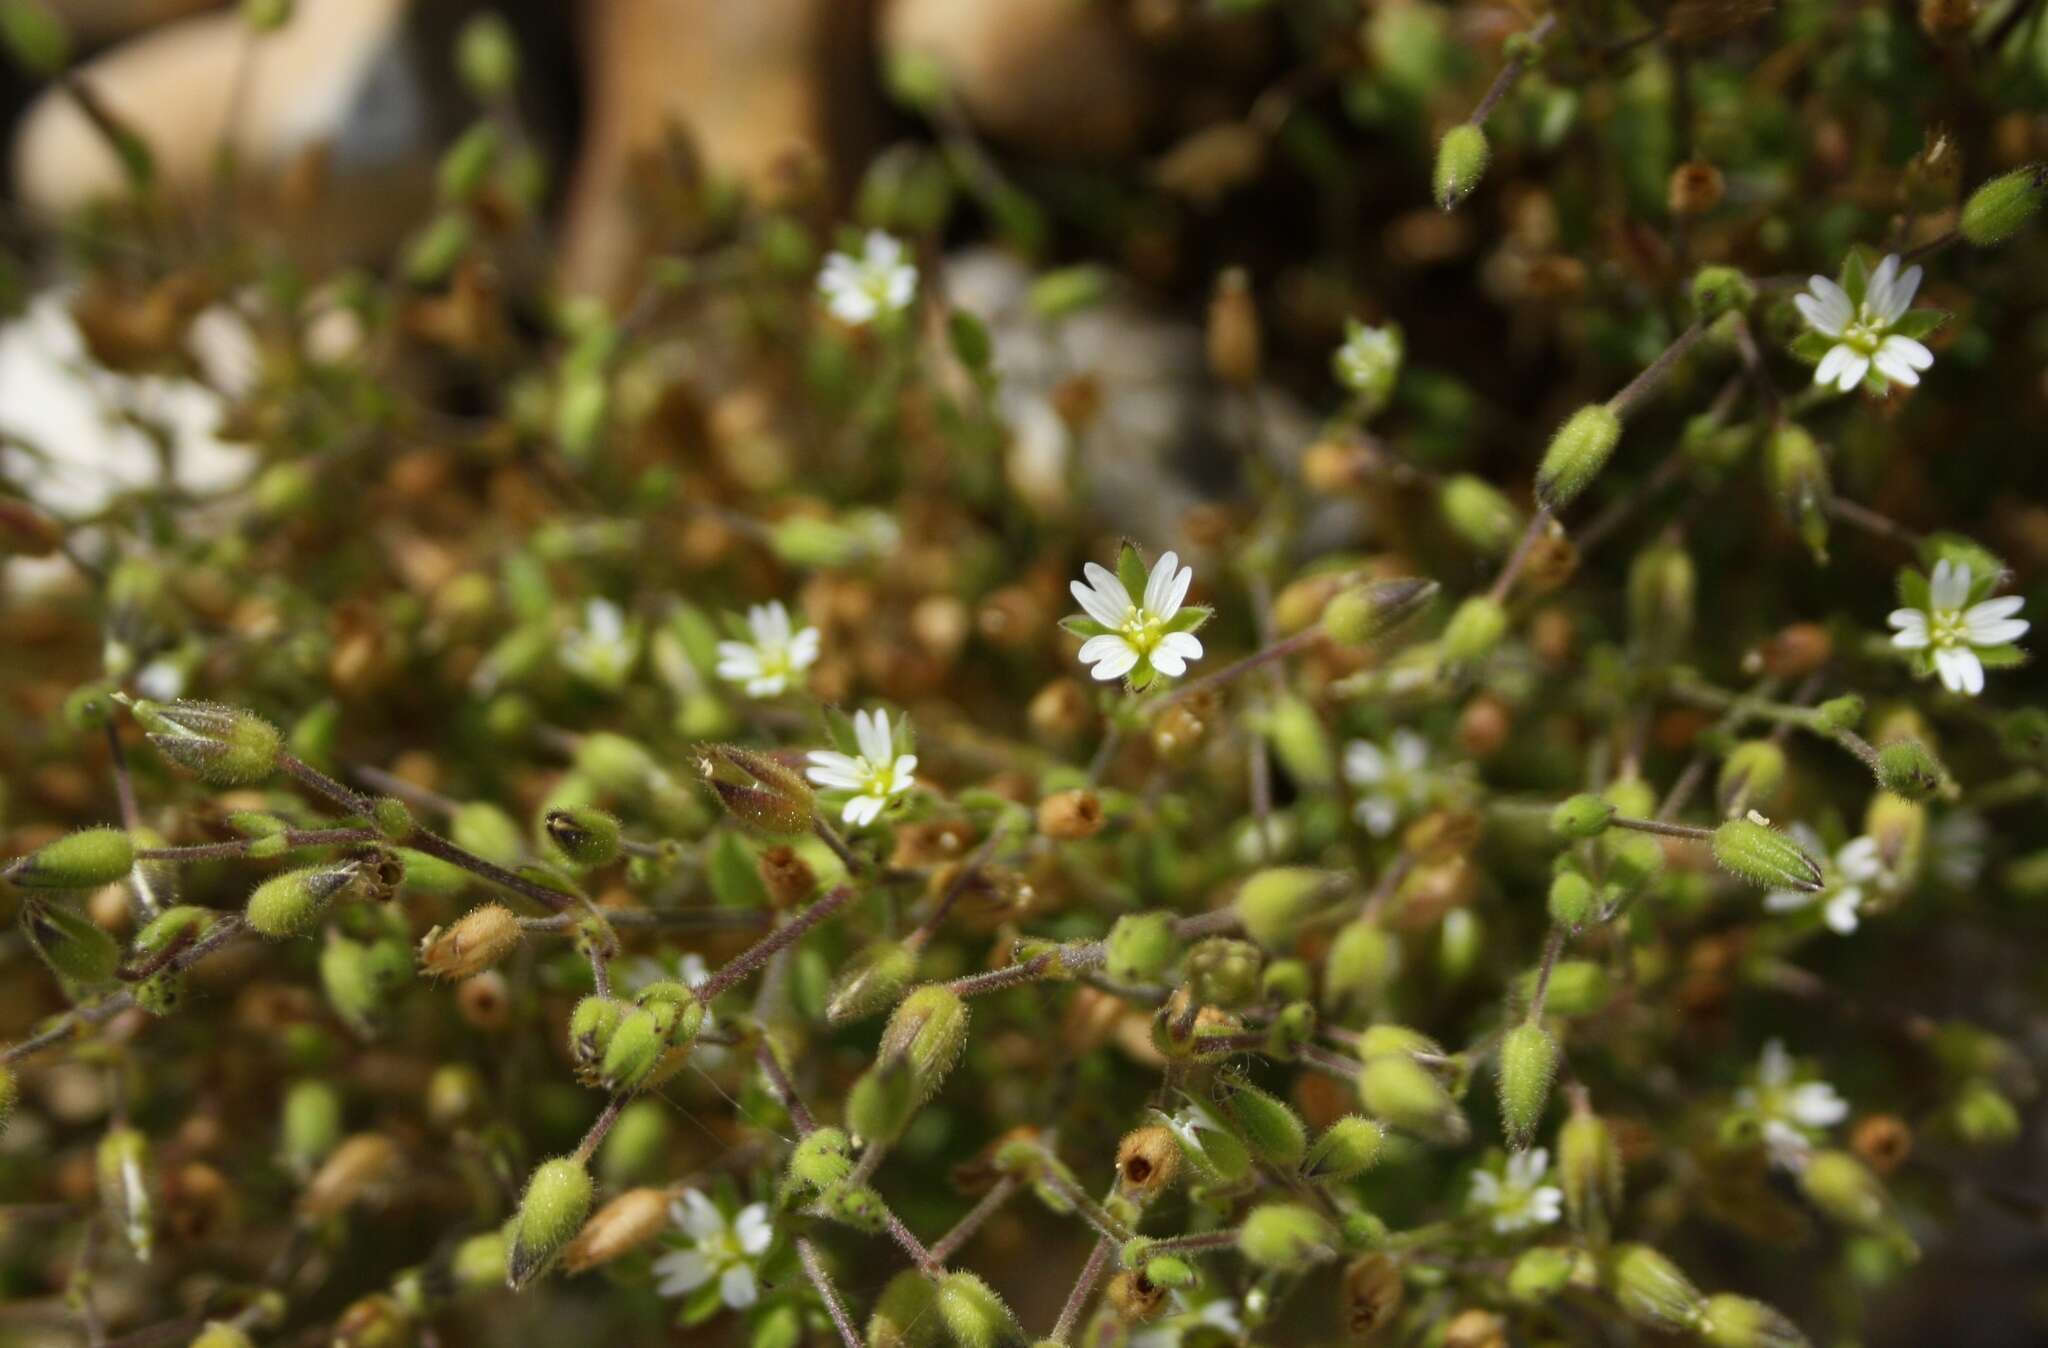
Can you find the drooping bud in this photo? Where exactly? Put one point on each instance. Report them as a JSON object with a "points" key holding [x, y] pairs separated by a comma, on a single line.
{"points": [[1460, 163], [1582, 816], [974, 1315], [1272, 1132], [1141, 947], [1737, 1322], [488, 831], [1284, 1237], [487, 56], [1839, 713], [69, 942], [557, 1200], [1997, 210], [1907, 768], [360, 978], [86, 859], [820, 1160], [1528, 1063], [310, 1127], [634, 1148], [1147, 1162], [289, 904], [927, 1032], [1272, 904], [1480, 514], [854, 1205], [1799, 477], [123, 1170], [873, 981], [636, 1049], [1394, 1087], [225, 745], [1653, 1291], [616, 1229], [1589, 1171], [1350, 1146], [478, 939], [1577, 453], [1368, 612], [591, 1027], [583, 835], [757, 789], [1571, 902], [1662, 584], [393, 819], [905, 1315], [1751, 773], [1474, 630], [882, 1101], [1754, 851]]}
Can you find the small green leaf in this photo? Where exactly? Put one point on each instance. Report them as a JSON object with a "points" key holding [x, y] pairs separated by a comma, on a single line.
{"points": [[1855, 275], [1130, 569], [1917, 323], [1190, 618], [1810, 346], [734, 874], [972, 346], [1083, 626], [1912, 589], [2001, 657]]}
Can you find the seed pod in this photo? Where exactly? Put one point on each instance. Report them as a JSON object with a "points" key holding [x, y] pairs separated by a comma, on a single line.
{"points": [[1589, 1171], [479, 939], [584, 836], [820, 1160], [1233, 330], [1474, 630], [225, 745], [1460, 163], [1350, 1146], [1372, 1293], [84, 860], [787, 877], [1571, 901], [905, 1314], [757, 789], [974, 1314], [1653, 1291], [1147, 1162], [1480, 514], [616, 1229], [1376, 609], [1662, 587], [1273, 903], [69, 942], [1695, 187], [1134, 1298], [310, 1126], [591, 1026], [1720, 291], [873, 981], [882, 1101], [1754, 851], [1907, 768], [556, 1202], [1396, 1088], [1273, 1133], [362, 1166], [478, 1264], [1540, 1274], [1582, 816], [1141, 947], [927, 1032], [634, 1148], [1577, 453], [1528, 1064], [290, 903], [635, 1050], [1997, 210], [123, 1170], [1283, 1237], [1738, 1322]]}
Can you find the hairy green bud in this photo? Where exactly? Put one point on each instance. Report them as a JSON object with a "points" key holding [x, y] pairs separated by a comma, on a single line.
{"points": [[1528, 1064], [1719, 291], [311, 1126], [1582, 816], [872, 981], [1272, 904], [1284, 1237], [1396, 1088], [1540, 1274], [1474, 630], [290, 903], [1799, 476], [1363, 960], [1350, 1146], [882, 1101], [635, 1050], [1480, 514], [69, 942], [488, 831], [592, 1024], [1652, 1290], [1752, 772], [1663, 587], [1737, 1322], [557, 1200], [975, 1316], [757, 789], [1272, 1132], [1982, 1116], [1572, 902], [927, 1032], [820, 1160], [1577, 453], [1141, 947], [1224, 972], [1758, 853], [393, 819], [1363, 613], [905, 1315], [634, 1148], [1460, 163], [1589, 1171], [359, 978], [479, 1263], [583, 835], [86, 859], [1997, 210], [1908, 768], [225, 745], [1839, 713], [1845, 1189]]}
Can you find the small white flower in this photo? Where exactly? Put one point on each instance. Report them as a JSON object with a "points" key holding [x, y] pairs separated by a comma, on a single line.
{"points": [[1858, 872], [1792, 1113], [1369, 361], [1518, 1199], [770, 662], [1392, 777], [604, 649], [1138, 638], [877, 776], [1953, 630], [860, 289], [1863, 332], [716, 1248]]}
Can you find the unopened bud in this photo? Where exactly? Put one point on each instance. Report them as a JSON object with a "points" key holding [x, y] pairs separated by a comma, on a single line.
{"points": [[1839, 713], [1274, 902], [1751, 773], [1662, 584], [1752, 850], [820, 1160], [478, 1264], [1572, 902], [1653, 1291], [905, 1314], [289, 904], [1577, 453], [1528, 1064], [636, 1049], [1719, 291], [974, 1315], [1737, 1322], [1589, 1170], [618, 1228], [1141, 947], [583, 835], [69, 942], [225, 745], [1474, 630], [1997, 210], [873, 981], [557, 1200], [1284, 1237], [1540, 1274], [478, 939], [1223, 972], [1846, 1190], [1368, 612], [1799, 477], [1396, 1088], [311, 1125], [928, 1032], [1480, 514], [591, 1027], [1460, 163], [1350, 1146], [1907, 768], [1363, 961], [1982, 1115], [1272, 1132], [757, 789], [1582, 816], [86, 859], [882, 1101]]}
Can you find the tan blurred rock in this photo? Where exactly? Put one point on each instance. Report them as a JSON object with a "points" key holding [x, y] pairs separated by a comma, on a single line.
{"points": [[1061, 78], [337, 87]]}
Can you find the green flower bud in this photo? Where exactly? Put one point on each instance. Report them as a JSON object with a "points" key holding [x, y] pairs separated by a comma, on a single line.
{"points": [[1474, 630], [266, 16], [83, 860], [584, 836], [1982, 1116], [478, 1264], [123, 1172], [1368, 612], [69, 942], [393, 820], [1737, 1322], [882, 1101], [1363, 961], [820, 1160], [486, 830], [1907, 768], [591, 1027], [1350, 1146], [1480, 514], [1214, 1152], [1577, 453], [1752, 772], [1758, 853], [556, 1202], [1272, 1132], [221, 1334], [1589, 1171], [1842, 1187], [756, 789], [466, 165], [487, 56], [311, 1126], [927, 1032], [975, 1316], [1662, 587], [1572, 903], [1582, 816], [10, 1094], [1528, 1064], [1997, 210], [1284, 1237], [359, 978], [1224, 972], [635, 1050], [1141, 947], [1577, 988], [225, 745], [1273, 903], [1631, 796], [634, 1148], [455, 1096], [905, 1315], [89, 707], [1719, 291], [1839, 713], [1460, 163], [1396, 1088], [873, 981], [1287, 981], [35, 37], [1633, 861], [855, 1205], [1170, 1272], [1540, 1274], [289, 904], [1652, 1290], [1799, 476]]}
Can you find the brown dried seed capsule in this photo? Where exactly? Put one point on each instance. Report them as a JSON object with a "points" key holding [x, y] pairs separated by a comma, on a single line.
{"points": [[359, 1168], [1884, 1141], [1233, 335], [1147, 1161], [1179, 730], [1372, 1295], [485, 1001], [618, 1228], [1484, 726], [1476, 1329], [1946, 18], [1070, 815], [788, 877], [1060, 711], [1792, 653], [1696, 187], [477, 940], [1134, 1297], [1335, 466]]}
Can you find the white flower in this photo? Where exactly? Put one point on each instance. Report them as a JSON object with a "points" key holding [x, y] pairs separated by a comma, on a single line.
{"points": [[1393, 777], [1144, 638], [1369, 361], [1518, 1199], [860, 289], [721, 1249], [1953, 630], [877, 776], [771, 661], [1858, 870], [1791, 1114], [1863, 332], [602, 651]]}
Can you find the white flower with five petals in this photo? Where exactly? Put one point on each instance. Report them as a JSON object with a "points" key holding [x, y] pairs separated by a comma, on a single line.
{"points": [[716, 1248], [603, 650], [874, 777], [860, 289], [1517, 1199], [1390, 779], [1142, 638], [1955, 633], [1792, 1113], [1862, 328], [774, 654]]}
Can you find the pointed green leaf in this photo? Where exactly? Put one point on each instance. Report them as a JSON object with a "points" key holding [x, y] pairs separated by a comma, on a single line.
{"points": [[1130, 569]]}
